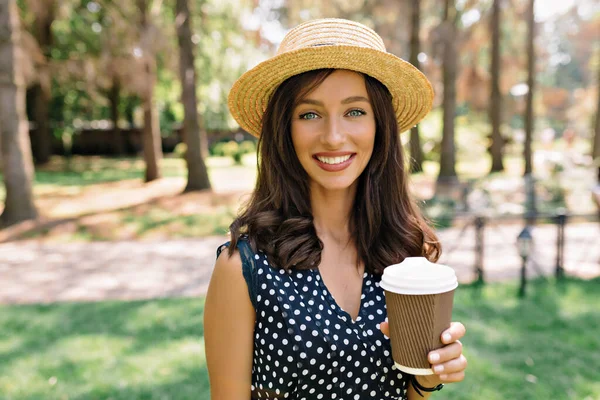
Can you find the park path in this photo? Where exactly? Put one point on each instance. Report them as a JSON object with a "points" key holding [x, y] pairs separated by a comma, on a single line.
{"points": [[36, 272]]}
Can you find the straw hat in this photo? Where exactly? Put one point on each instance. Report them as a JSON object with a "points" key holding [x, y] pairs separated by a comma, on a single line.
{"points": [[331, 43]]}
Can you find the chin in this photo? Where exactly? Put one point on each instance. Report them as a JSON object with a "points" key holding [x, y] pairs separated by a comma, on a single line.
{"points": [[337, 184]]}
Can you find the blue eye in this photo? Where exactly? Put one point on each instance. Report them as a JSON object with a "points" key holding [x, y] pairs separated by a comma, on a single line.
{"points": [[309, 115], [356, 113]]}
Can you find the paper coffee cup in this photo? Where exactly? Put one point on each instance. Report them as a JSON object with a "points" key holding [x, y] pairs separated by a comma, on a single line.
{"points": [[419, 296]]}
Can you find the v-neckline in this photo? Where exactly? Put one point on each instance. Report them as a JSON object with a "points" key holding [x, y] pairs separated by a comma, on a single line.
{"points": [[346, 315]]}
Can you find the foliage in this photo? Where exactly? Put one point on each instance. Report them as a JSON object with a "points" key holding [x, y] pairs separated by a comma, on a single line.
{"points": [[233, 149], [543, 346], [97, 40]]}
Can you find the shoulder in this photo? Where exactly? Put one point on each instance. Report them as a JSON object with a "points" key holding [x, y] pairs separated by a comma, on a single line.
{"points": [[227, 283], [229, 265]]}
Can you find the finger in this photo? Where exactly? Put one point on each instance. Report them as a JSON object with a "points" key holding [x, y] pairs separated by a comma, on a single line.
{"points": [[458, 364], [455, 377], [455, 332], [446, 353], [385, 328]]}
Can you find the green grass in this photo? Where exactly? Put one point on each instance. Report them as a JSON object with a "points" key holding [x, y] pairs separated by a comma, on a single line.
{"points": [[542, 347], [107, 350], [85, 171], [180, 226]]}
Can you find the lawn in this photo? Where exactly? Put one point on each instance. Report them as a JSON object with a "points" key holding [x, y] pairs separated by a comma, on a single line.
{"points": [[101, 198], [542, 347]]}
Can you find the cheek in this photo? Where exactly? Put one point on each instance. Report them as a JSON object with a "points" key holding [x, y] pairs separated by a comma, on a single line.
{"points": [[366, 139], [300, 139]]}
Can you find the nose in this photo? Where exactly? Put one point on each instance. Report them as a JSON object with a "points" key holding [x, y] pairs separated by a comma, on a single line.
{"points": [[333, 136]]}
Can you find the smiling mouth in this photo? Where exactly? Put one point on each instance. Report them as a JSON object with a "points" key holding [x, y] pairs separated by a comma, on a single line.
{"points": [[333, 160]]}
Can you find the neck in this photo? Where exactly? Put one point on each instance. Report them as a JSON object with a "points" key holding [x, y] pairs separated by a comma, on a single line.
{"points": [[332, 211]]}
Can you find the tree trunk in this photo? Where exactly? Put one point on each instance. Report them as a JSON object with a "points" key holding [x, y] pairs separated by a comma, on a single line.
{"points": [[41, 139], [113, 97], [194, 138], [17, 162], [530, 202], [447, 175], [416, 152], [531, 85], [596, 142], [496, 98], [151, 131]]}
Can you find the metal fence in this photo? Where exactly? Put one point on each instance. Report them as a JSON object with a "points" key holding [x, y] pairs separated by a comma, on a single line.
{"points": [[482, 248]]}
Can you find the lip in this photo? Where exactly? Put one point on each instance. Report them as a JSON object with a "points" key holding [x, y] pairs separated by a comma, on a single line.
{"points": [[334, 167], [333, 153]]}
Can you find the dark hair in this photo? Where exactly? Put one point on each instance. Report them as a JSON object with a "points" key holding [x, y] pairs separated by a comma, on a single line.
{"points": [[386, 224]]}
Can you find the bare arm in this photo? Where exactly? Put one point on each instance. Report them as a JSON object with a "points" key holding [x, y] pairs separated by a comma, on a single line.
{"points": [[228, 330]]}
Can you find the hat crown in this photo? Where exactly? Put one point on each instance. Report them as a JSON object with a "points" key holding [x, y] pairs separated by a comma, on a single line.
{"points": [[330, 32]]}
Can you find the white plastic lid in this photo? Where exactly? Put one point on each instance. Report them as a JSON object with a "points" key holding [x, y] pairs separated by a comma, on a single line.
{"points": [[417, 275]]}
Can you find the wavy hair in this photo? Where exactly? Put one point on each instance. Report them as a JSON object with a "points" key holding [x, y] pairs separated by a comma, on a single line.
{"points": [[386, 224]]}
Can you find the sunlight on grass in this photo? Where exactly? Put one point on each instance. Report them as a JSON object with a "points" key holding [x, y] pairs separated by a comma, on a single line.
{"points": [[532, 348], [94, 351]]}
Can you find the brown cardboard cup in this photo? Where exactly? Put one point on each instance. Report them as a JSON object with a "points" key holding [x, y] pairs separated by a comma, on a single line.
{"points": [[419, 297]]}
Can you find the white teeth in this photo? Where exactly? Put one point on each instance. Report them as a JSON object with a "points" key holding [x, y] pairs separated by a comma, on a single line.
{"points": [[333, 160]]}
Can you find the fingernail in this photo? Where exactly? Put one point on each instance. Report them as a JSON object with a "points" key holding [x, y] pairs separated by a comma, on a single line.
{"points": [[434, 357], [447, 337], [438, 368]]}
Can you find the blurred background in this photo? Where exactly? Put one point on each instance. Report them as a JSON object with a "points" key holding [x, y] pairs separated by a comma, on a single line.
{"points": [[123, 169]]}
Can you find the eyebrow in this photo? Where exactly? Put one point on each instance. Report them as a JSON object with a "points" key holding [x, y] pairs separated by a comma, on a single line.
{"points": [[348, 100]]}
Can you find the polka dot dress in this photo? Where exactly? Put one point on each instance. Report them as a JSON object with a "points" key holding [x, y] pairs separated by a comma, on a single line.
{"points": [[306, 347]]}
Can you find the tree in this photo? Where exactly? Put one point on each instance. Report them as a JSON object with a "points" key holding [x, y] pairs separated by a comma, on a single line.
{"points": [[41, 139], [530, 84], [151, 135], [528, 174], [194, 138], [496, 97], [416, 152], [447, 174], [596, 142], [17, 162]]}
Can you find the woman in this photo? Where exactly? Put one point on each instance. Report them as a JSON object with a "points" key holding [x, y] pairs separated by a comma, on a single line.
{"points": [[294, 308]]}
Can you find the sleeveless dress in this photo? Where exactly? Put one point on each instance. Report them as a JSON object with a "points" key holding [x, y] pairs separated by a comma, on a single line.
{"points": [[306, 347]]}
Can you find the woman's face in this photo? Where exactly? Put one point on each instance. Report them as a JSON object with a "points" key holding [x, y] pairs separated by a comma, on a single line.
{"points": [[333, 131]]}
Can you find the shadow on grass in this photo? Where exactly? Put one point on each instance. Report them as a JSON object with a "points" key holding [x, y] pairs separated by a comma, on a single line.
{"points": [[119, 350], [540, 347], [90, 170], [193, 386], [194, 225]]}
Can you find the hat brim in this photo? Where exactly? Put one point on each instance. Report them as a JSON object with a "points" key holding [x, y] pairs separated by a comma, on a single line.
{"points": [[412, 94]]}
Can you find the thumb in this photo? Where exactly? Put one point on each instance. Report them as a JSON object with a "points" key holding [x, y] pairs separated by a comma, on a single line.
{"points": [[385, 328]]}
